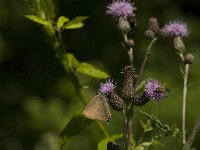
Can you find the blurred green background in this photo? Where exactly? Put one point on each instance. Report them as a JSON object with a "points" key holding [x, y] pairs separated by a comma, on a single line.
{"points": [[36, 97]]}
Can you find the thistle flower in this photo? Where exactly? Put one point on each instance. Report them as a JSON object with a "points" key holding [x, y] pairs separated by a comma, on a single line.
{"points": [[175, 29], [107, 88], [153, 90], [120, 8]]}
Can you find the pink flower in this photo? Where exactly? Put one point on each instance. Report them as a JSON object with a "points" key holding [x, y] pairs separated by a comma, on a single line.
{"points": [[120, 8]]}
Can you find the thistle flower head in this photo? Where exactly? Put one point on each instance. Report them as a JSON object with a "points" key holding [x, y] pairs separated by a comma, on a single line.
{"points": [[120, 8], [152, 90], [107, 88], [175, 29]]}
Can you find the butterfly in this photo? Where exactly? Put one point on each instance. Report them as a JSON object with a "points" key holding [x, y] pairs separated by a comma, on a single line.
{"points": [[98, 108]]}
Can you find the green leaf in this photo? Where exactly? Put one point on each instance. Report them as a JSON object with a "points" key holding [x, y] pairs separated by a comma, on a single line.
{"points": [[61, 21], [74, 127], [133, 143], [38, 20], [146, 145], [102, 145], [73, 62], [146, 126], [90, 70], [168, 130], [75, 23], [48, 7], [74, 26]]}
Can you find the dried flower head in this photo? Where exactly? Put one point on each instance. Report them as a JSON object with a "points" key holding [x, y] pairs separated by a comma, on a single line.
{"points": [[175, 29], [107, 88], [154, 91], [120, 8]]}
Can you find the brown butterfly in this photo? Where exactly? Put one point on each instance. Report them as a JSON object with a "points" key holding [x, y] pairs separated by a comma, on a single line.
{"points": [[98, 108]]}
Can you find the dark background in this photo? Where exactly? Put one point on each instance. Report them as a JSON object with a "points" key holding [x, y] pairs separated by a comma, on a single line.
{"points": [[36, 97]]}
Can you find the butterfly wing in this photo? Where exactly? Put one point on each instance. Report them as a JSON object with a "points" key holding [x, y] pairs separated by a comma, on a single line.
{"points": [[98, 109]]}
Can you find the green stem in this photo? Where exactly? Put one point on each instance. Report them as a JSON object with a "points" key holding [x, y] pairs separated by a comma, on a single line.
{"points": [[185, 79], [61, 53], [55, 39], [127, 130], [148, 52]]}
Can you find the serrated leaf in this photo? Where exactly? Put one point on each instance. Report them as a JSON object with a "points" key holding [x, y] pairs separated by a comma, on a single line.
{"points": [[74, 127], [61, 21], [90, 70], [75, 23], [168, 130], [102, 145], [38, 20]]}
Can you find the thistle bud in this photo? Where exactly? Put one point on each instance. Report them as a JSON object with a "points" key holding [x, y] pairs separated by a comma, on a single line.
{"points": [[179, 45], [153, 25], [149, 34], [140, 99], [124, 25], [128, 83], [116, 102], [189, 58]]}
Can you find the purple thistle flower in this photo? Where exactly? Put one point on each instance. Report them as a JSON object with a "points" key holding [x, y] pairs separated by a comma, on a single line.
{"points": [[120, 8], [152, 90], [175, 29], [107, 88]]}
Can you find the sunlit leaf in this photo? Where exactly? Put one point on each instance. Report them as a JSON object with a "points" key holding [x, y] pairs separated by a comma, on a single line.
{"points": [[75, 23], [90, 70], [61, 21], [102, 145], [73, 62], [74, 26], [38, 20], [74, 127]]}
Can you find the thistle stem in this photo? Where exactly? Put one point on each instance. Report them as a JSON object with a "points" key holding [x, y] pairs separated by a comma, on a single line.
{"points": [[148, 52], [185, 79], [130, 51], [127, 130]]}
